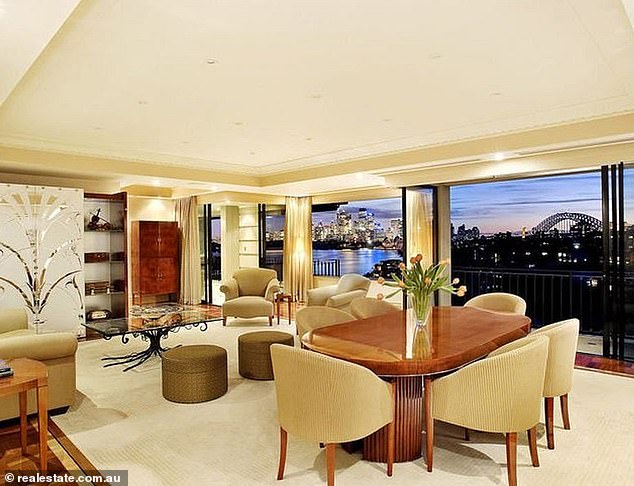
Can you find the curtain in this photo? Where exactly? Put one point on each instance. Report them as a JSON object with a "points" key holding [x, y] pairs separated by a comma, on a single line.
{"points": [[420, 227], [190, 277], [298, 247]]}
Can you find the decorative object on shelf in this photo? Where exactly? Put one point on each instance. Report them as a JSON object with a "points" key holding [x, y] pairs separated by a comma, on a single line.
{"points": [[98, 314], [118, 256], [97, 223], [41, 247], [420, 283], [96, 257], [98, 287]]}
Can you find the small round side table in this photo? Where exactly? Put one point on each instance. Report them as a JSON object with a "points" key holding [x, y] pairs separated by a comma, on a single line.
{"points": [[279, 298], [27, 374]]}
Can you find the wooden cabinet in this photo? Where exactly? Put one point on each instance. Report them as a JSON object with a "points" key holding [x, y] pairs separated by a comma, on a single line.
{"points": [[155, 255]]}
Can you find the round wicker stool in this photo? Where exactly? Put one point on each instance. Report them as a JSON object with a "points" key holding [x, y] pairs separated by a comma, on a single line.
{"points": [[193, 374], [254, 354]]}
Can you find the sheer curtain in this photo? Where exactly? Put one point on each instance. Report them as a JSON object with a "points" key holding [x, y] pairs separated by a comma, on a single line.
{"points": [[190, 278], [420, 224], [298, 247]]}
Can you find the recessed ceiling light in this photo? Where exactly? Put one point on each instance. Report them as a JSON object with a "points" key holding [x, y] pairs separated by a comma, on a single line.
{"points": [[185, 142], [211, 60], [308, 139], [435, 55], [142, 102], [315, 96], [238, 123], [97, 128], [387, 119], [251, 153], [495, 93]]}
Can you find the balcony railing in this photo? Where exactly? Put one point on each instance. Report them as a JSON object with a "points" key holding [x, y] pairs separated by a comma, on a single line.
{"points": [[550, 296], [321, 268]]}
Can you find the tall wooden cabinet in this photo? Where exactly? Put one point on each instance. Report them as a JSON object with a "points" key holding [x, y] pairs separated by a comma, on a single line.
{"points": [[155, 260]]}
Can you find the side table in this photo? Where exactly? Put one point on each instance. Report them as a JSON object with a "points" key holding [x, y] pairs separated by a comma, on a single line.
{"points": [[279, 298], [28, 374]]}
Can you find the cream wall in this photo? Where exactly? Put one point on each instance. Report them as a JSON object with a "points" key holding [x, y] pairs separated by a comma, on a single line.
{"points": [[151, 209]]}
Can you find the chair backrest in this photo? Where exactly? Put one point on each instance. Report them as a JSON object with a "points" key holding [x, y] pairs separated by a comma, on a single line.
{"points": [[499, 302], [13, 319], [352, 281], [364, 307], [562, 350], [501, 393], [253, 281], [313, 317], [324, 399]]}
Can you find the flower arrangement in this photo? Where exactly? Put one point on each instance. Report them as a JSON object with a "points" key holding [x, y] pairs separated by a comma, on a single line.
{"points": [[421, 282]]}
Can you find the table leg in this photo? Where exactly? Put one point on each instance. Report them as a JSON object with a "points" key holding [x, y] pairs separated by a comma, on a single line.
{"points": [[408, 424], [289, 312], [23, 421], [277, 303], [42, 419], [429, 425]]}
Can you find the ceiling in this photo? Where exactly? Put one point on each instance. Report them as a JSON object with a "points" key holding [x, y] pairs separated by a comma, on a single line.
{"points": [[259, 89]]}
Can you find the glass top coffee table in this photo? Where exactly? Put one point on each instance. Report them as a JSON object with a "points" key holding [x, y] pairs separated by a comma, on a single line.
{"points": [[151, 325]]}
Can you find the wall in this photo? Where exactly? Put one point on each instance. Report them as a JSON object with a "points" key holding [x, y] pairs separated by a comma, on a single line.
{"points": [[249, 236], [151, 209], [230, 237]]}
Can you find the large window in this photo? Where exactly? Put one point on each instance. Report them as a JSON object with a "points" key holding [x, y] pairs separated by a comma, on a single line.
{"points": [[364, 237], [539, 238], [210, 243]]}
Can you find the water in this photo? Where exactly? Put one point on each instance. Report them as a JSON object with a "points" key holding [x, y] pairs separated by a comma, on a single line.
{"points": [[356, 261]]}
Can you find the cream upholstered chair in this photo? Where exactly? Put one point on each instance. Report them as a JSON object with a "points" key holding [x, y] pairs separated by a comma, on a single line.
{"points": [[250, 293], [309, 318], [562, 351], [327, 400], [499, 302], [364, 307], [349, 287], [501, 393], [56, 350]]}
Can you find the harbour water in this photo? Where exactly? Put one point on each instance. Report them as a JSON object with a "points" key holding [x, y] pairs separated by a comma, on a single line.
{"points": [[356, 261]]}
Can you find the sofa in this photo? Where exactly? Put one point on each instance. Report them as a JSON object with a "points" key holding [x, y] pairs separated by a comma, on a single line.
{"points": [[250, 293], [55, 350], [349, 287]]}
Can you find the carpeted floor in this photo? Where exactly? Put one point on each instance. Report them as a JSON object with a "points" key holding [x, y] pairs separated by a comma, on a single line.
{"points": [[121, 421]]}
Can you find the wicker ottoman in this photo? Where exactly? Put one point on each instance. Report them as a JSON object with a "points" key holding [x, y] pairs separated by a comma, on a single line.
{"points": [[193, 374], [254, 354]]}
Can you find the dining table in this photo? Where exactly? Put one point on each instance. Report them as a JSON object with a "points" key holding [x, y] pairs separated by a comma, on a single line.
{"points": [[410, 355]]}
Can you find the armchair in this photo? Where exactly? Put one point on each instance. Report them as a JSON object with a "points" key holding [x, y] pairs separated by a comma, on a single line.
{"points": [[350, 286], [499, 302], [249, 293], [56, 350]]}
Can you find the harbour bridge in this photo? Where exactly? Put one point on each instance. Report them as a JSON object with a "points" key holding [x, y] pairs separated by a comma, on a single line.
{"points": [[565, 221]]}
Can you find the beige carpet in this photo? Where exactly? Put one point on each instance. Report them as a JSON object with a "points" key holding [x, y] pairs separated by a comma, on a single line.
{"points": [[121, 421]]}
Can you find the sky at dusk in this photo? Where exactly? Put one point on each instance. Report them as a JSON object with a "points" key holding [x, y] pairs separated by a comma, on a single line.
{"points": [[511, 205]]}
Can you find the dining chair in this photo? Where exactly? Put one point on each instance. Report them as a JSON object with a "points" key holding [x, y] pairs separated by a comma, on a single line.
{"points": [[330, 401], [364, 307], [500, 393], [309, 318], [562, 350], [499, 302]]}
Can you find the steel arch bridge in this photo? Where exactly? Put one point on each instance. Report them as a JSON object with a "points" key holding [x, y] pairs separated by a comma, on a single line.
{"points": [[568, 219]]}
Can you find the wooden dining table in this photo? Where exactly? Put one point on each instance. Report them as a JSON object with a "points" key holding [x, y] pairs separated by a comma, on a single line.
{"points": [[392, 346]]}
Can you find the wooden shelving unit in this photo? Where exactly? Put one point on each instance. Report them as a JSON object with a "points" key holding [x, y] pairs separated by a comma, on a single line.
{"points": [[105, 253]]}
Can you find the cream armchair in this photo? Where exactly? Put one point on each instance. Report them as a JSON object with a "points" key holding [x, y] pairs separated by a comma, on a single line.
{"points": [[309, 318], [501, 393], [499, 302], [350, 286], [562, 351], [56, 350], [250, 293], [327, 400], [364, 307]]}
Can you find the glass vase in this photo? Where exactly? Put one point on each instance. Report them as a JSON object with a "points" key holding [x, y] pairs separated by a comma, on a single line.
{"points": [[421, 306]]}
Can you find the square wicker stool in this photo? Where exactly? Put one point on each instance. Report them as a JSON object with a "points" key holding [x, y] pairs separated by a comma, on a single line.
{"points": [[254, 353], [193, 374]]}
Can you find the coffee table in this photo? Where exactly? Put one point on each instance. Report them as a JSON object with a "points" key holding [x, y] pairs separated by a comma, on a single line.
{"points": [[150, 327], [28, 374]]}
